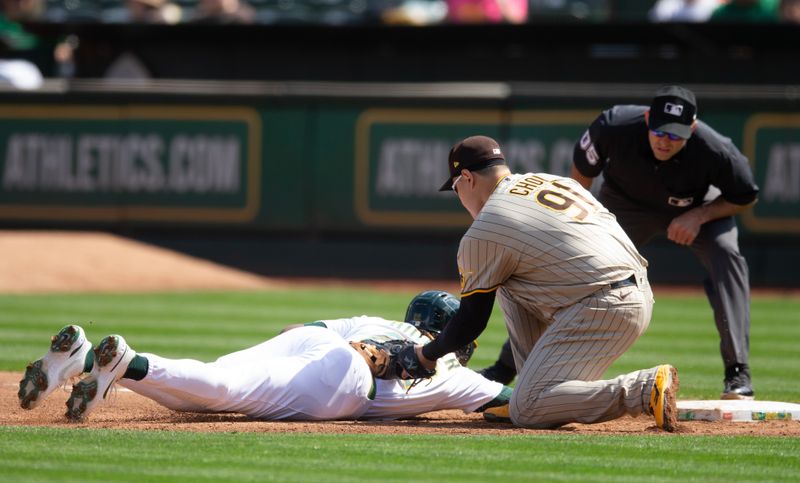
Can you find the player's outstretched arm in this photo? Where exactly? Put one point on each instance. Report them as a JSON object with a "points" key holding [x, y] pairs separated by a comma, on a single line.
{"points": [[392, 359], [465, 326]]}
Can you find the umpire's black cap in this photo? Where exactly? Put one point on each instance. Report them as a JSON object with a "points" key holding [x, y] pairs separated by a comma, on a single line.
{"points": [[673, 110], [472, 153]]}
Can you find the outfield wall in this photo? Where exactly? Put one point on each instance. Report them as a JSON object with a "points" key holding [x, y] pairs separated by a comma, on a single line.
{"points": [[340, 179]]}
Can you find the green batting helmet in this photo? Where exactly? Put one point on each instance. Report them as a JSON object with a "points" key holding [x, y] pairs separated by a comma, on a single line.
{"points": [[431, 311]]}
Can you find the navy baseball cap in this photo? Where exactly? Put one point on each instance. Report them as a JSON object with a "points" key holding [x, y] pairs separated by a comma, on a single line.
{"points": [[673, 110], [473, 153]]}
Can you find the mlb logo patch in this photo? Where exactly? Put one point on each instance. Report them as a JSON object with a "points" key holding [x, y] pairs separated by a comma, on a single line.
{"points": [[673, 109], [496, 151]]}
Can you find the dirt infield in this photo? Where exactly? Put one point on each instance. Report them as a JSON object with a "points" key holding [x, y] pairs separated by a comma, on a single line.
{"points": [[94, 262], [127, 410], [72, 262], [54, 261]]}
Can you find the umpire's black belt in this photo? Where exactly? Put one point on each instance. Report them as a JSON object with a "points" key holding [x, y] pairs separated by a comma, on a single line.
{"points": [[624, 283]]}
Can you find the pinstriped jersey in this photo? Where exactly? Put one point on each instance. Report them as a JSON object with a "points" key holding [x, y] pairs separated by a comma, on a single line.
{"points": [[547, 241]]}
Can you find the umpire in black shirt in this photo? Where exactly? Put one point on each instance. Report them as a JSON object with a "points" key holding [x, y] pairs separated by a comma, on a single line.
{"points": [[665, 172]]}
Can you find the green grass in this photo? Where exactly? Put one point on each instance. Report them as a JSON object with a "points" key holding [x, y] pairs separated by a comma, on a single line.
{"points": [[110, 456], [198, 325], [207, 325]]}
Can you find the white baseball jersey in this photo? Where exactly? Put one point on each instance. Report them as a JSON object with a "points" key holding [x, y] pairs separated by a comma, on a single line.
{"points": [[453, 387], [310, 373]]}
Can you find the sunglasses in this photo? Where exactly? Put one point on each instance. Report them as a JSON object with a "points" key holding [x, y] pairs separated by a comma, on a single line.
{"points": [[455, 181], [661, 134]]}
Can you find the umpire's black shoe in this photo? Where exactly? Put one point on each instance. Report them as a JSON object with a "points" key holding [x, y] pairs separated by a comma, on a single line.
{"points": [[737, 383], [498, 372]]}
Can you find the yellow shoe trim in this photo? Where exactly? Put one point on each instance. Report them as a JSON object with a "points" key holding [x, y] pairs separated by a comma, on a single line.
{"points": [[663, 406], [497, 414]]}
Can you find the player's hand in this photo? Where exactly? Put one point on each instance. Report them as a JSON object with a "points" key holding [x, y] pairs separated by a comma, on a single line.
{"points": [[684, 228], [392, 359], [426, 363]]}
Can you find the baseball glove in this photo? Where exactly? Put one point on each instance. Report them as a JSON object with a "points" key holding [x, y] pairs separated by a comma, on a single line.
{"points": [[393, 359]]}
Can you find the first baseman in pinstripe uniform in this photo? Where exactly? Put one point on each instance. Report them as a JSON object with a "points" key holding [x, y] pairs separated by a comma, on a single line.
{"points": [[666, 173], [572, 287]]}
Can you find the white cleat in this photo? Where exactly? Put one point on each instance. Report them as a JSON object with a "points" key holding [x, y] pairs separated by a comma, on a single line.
{"points": [[111, 359], [63, 361]]}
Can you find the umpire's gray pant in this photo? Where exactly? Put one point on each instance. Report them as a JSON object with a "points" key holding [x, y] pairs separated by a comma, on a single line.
{"points": [[717, 247]]}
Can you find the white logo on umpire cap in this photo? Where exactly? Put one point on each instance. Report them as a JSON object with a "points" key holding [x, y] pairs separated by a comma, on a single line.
{"points": [[496, 151], [673, 109]]}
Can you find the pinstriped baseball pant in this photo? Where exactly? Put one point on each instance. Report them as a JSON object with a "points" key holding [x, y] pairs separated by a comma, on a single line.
{"points": [[562, 362]]}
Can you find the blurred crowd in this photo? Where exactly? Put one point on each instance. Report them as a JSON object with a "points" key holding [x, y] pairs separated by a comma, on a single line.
{"points": [[407, 12], [725, 11], [21, 71]]}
